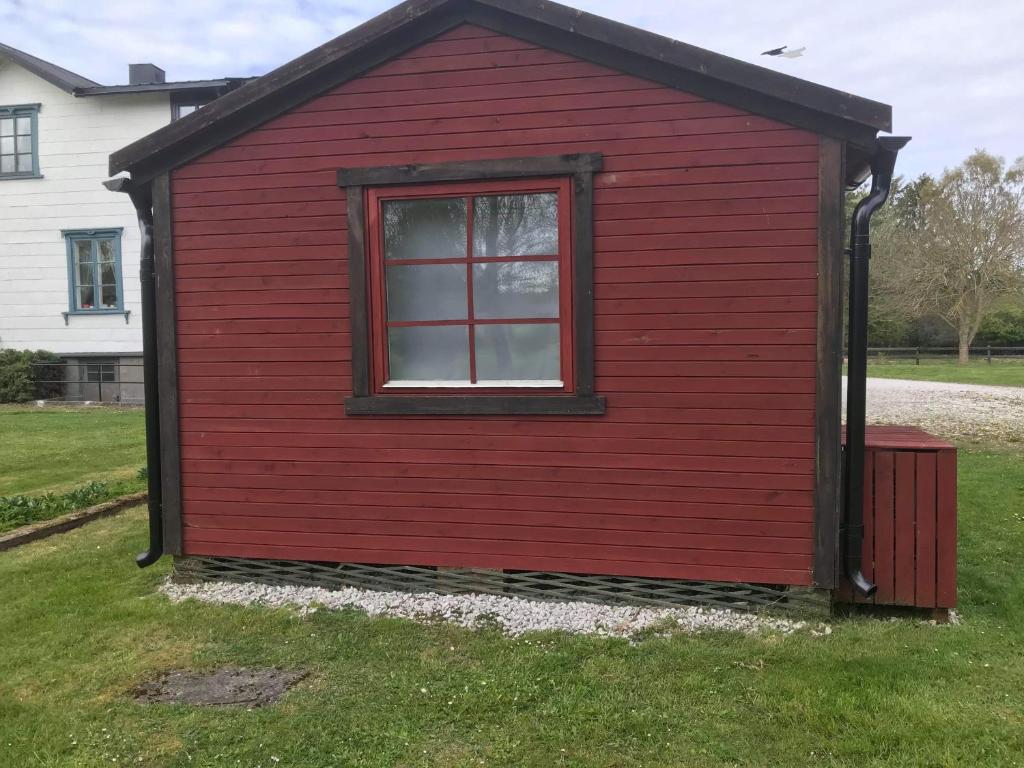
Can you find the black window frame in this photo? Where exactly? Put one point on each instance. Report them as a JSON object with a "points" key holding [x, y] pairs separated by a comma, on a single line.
{"points": [[582, 400]]}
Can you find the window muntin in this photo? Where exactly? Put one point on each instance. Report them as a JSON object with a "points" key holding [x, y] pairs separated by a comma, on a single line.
{"points": [[19, 142], [94, 271], [472, 286], [103, 371]]}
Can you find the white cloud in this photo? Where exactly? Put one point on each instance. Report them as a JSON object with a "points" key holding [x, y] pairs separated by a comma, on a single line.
{"points": [[953, 71]]}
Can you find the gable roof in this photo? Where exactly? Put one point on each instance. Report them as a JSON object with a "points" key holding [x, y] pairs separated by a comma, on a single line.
{"points": [[64, 79], [76, 85], [618, 46]]}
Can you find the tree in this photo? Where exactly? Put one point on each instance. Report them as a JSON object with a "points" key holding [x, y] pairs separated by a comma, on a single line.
{"points": [[954, 247], [889, 318]]}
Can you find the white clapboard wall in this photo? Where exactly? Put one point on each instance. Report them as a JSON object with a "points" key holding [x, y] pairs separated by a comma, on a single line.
{"points": [[76, 135]]}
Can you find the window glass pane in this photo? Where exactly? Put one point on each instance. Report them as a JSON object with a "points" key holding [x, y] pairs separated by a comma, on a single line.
{"points": [[108, 296], [518, 289], [24, 163], [518, 352], [83, 258], [429, 353], [108, 275], [428, 292], [425, 229], [6, 163], [7, 145], [105, 250], [85, 297], [85, 274], [23, 125], [25, 145], [515, 225], [7, 126]]}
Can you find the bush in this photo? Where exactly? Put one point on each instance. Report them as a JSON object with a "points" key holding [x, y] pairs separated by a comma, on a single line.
{"points": [[1004, 328], [887, 332], [29, 375]]}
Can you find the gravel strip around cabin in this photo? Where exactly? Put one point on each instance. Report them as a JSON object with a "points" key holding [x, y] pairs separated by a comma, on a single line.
{"points": [[512, 615], [953, 411]]}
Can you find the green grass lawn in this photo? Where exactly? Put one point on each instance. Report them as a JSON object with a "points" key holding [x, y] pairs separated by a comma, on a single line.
{"points": [[83, 625], [1004, 373], [55, 448]]}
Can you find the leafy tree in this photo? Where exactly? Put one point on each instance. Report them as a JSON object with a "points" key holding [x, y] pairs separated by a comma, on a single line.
{"points": [[889, 320], [954, 246]]}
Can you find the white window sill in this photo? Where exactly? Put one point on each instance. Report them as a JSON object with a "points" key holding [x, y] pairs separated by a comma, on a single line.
{"points": [[479, 385]]}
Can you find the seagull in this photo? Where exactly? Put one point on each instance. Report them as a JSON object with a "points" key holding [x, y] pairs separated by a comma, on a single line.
{"points": [[794, 54]]}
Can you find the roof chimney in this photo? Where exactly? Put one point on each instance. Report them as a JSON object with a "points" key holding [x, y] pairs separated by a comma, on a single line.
{"points": [[145, 74]]}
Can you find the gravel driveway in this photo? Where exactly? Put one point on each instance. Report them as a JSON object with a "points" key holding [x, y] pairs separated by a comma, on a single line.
{"points": [[956, 411]]}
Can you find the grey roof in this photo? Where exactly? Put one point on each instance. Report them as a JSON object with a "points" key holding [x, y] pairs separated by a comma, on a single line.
{"points": [[180, 85], [77, 85], [64, 79]]}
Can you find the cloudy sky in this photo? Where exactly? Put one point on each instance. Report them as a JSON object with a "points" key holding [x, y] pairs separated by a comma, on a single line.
{"points": [[953, 71]]}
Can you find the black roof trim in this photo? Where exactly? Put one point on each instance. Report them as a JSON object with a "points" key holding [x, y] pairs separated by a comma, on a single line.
{"points": [[64, 79], [762, 91], [181, 85]]}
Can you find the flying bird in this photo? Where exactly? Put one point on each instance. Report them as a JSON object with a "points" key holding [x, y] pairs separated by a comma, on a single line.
{"points": [[781, 51]]}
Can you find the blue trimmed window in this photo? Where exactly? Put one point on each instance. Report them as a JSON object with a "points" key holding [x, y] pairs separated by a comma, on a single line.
{"points": [[94, 271], [19, 142]]}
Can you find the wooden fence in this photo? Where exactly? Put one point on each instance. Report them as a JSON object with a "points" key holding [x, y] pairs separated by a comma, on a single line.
{"points": [[988, 353]]}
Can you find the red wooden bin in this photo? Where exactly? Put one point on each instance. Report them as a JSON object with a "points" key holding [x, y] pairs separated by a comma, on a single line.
{"points": [[909, 519]]}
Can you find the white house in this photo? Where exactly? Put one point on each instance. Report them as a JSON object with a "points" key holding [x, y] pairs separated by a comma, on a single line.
{"points": [[69, 249]]}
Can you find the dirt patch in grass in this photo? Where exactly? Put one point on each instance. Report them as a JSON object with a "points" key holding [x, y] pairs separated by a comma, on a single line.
{"points": [[228, 686]]}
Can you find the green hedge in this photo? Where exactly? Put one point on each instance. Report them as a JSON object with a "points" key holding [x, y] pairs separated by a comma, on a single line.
{"points": [[29, 375]]}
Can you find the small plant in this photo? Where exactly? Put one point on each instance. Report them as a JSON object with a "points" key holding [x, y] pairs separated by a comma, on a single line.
{"points": [[16, 511]]}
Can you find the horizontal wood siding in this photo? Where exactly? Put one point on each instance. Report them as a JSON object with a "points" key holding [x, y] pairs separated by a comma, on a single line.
{"points": [[705, 280]]}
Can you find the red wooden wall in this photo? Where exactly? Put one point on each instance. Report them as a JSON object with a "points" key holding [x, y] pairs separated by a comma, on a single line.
{"points": [[910, 526], [705, 249]]}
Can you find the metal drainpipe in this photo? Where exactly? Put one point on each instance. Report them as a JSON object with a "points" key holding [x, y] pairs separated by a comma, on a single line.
{"points": [[882, 165], [142, 198]]}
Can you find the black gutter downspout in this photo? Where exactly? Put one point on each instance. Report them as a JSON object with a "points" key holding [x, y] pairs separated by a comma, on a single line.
{"points": [[142, 199], [882, 165]]}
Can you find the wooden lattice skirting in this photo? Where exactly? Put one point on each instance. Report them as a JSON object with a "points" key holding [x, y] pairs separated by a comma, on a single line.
{"points": [[531, 585]]}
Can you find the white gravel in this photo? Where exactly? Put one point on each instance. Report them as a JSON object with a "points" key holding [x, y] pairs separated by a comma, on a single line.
{"points": [[955, 411], [514, 616]]}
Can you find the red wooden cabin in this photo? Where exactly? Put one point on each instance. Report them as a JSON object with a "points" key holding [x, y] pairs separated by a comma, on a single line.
{"points": [[504, 285]]}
